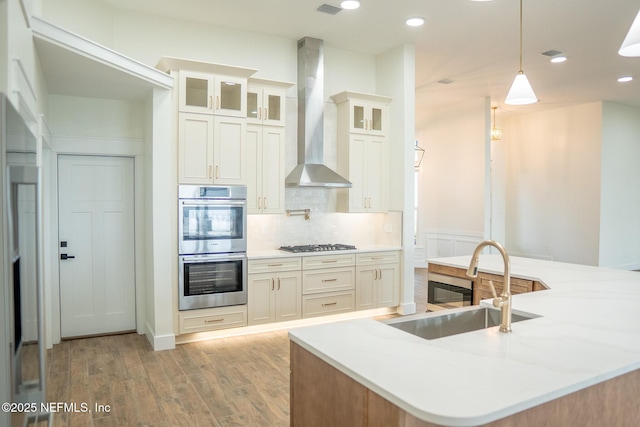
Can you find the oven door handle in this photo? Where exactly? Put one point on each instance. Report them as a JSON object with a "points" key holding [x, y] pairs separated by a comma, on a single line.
{"points": [[192, 259], [213, 202]]}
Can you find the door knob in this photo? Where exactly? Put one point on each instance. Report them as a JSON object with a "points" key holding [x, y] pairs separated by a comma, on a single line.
{"points": [[65, 256]]}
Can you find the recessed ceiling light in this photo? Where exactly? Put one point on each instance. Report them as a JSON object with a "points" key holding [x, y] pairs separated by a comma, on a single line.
{"points": [[415, 21], [559, 58], [350, 4], [625, 79]]}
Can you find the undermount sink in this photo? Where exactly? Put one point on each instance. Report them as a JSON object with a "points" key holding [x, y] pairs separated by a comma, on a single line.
{"points": [[435, 325]]}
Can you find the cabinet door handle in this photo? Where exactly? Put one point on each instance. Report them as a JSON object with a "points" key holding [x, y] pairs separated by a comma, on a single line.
{"points": [[217, 102], [272, 284], [266, 114], [326, 304], [375, 274], [278, 283], [217, 172], [265, 203], [380, 276], [214, 320], [259, 202], [209, 173], [210, 106], [259, 113], [328, 280]]}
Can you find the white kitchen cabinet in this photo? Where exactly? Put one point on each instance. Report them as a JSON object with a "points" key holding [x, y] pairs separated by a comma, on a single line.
{"points": [[266, 102], [274, 291], [265, 169], [211, 150], [195, 148], [328, 284], [363, 154], [229, 150], [212, 94], [363, 113], [377, 280], [211, 319]]}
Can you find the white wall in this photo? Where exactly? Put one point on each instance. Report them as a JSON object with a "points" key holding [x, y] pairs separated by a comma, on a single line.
{"points": [[452, 178], [620, 187], [553, 183]]}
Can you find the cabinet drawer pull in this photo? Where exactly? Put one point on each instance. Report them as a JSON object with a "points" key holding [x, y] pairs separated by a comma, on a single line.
{"points": [[214, 320], [329, 303], [327, 261], [274, 265], [377, 257], [328, 280]]}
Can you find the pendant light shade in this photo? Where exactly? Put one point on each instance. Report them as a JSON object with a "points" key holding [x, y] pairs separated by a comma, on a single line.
{"points": [[631, 44], [521, 92]]}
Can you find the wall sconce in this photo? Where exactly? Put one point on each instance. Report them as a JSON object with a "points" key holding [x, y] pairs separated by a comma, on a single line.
{"points": [[496, 133], [418, 155]]}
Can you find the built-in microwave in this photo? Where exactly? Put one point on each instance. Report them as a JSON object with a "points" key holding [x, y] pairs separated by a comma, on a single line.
{"points": [[445, 292], [212, 219]]}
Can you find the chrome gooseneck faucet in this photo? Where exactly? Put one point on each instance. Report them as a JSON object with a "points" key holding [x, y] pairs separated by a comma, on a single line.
{"points": [[504, 300]]}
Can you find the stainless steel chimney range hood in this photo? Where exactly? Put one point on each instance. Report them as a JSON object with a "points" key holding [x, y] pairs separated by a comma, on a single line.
{"points": [[310, 171]]}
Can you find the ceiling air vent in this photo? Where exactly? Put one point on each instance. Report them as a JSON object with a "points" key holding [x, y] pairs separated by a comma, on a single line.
{"points": [[551, 53], [330, 9]]}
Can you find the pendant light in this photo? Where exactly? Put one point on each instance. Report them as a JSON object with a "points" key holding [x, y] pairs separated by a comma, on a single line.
{"points": [[521, 92], [496, 133], [631, 44]]}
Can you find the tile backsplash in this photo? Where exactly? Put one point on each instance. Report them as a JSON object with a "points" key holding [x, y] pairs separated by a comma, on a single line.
{"points": [[324, 226]]}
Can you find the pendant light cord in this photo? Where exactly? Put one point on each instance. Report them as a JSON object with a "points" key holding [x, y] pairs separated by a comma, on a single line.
{"points": [[521, 70]]}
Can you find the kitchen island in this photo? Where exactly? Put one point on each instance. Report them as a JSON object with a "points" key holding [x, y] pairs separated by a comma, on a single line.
{"points": [[576, 364]]}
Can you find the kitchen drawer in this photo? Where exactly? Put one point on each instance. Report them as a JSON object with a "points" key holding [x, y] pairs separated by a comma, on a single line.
{"points": [[328, 303], [213, 319], [375, 258], [273, 265], [327, 261], [328, 280]]}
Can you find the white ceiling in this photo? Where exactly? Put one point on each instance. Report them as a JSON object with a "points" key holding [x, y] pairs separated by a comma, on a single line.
{"points": [[473, 43]]}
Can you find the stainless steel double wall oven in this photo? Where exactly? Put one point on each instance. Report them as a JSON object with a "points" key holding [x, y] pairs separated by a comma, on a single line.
{"points": [[212, 246]]}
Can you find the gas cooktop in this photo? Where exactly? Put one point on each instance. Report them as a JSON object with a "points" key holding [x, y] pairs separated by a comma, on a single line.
{"points": [[317, 248]]}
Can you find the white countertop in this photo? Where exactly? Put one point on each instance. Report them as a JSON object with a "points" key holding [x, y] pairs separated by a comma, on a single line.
{"points": [[277, 253], [588, 332]]}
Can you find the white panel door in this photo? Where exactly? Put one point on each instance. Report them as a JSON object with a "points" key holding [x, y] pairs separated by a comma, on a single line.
{"points": [[273, 171], [96, 228], [229, 155]]}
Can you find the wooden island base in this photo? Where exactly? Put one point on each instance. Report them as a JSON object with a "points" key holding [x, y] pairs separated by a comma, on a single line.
{"points": [[323, 396]]}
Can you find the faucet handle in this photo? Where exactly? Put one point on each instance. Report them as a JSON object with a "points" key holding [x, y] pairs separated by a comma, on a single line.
{"points": [[493, 289]]}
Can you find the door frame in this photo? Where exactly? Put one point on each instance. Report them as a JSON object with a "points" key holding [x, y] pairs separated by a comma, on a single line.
{"points": [[97, 147]]}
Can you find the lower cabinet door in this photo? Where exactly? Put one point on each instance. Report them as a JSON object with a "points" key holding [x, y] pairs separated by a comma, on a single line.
{"points": [[388, 285], [366, 297], [261, 298], [288, 292]]}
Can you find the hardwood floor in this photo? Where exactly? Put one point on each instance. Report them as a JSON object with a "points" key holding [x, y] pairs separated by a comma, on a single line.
{"points": [[239, 381]]}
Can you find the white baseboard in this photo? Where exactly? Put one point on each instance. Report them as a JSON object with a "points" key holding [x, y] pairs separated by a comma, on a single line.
{"points": [[407, 308], [160, 342]]}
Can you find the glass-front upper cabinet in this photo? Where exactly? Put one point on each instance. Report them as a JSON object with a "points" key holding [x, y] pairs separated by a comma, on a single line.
{"points": [[367, 114], [266, 102], [368, 118], [212, 94]]}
